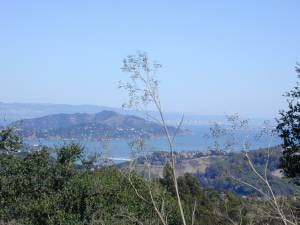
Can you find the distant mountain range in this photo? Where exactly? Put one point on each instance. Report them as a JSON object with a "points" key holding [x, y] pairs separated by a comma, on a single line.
{"points": [[11, 112], [106, 124]]}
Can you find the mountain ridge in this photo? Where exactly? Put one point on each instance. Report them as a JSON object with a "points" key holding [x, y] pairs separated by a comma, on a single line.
{"points": [[11, 112], [108, 124]]}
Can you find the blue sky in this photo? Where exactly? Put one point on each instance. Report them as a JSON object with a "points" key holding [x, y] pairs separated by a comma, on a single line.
{"points": [[218, 56]]}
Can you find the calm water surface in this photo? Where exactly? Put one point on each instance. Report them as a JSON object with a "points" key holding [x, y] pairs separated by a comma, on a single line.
{"points": [[197, 141]]}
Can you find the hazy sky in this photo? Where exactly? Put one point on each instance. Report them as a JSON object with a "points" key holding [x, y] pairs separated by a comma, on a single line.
{"points": [[218, 56]]}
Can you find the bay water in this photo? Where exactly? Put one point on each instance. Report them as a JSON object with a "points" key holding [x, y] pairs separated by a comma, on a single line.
{"points": [[197, 140]]}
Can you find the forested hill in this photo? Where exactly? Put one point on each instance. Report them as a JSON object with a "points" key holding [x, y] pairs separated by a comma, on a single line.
{"points": [[107, 124], [216, 170]]}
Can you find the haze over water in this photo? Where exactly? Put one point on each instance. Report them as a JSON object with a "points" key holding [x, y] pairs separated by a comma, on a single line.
{"points": [[197, 141]]}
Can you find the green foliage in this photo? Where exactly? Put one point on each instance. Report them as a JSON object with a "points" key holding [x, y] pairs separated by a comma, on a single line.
{"points": [[38, 189], [168, 179], [120, 204], [209, 207], [288, 128], [9, 140], [220, 175], [68, 154]]}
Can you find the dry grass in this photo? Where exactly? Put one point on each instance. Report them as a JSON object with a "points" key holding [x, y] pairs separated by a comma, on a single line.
{"points": [[196, 165]]}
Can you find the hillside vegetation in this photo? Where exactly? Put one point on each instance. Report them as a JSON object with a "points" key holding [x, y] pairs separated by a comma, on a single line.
{"points": [[217, 171], [106, 124], [38, 189]]}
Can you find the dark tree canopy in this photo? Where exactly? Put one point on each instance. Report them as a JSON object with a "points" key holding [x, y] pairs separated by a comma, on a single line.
{"points": [[288, 128], [9, 140]]}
